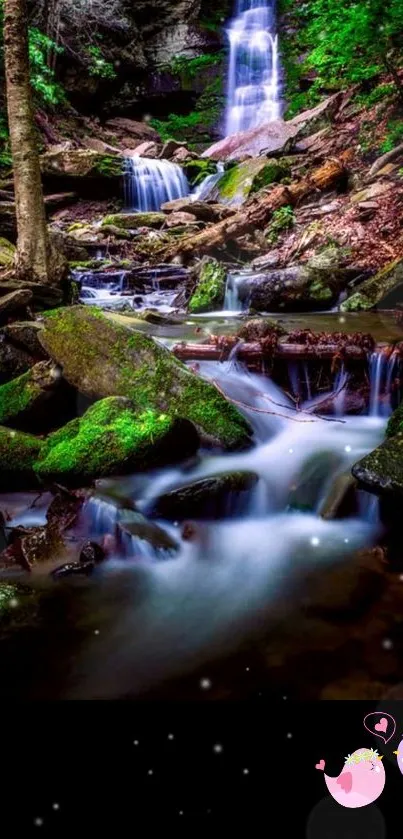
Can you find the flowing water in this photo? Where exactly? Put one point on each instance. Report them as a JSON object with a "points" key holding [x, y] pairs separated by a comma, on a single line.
{"points": [[253, 95], [150, 183], [148, 615]]}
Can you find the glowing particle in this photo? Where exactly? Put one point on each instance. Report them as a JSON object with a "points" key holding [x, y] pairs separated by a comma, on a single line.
{"points": [[289, 736], [247, 669], [347, 448], [342, 320], [13, 602], [346, 541], [245, 771], [315, 541], [38, 822], [170, 737], [205, 684], [96, 631], [217, 748], [135, 742], [387, 644], [55, 806], [290, 451], [150, 772]]}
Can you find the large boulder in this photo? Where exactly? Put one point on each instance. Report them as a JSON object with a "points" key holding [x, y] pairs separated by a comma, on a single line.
{"points": [[86, 172], [138, 130], [210, 289], [381, 471], [206, 497], [111, 438], [131, 221], [102, 359], [238, 182], [18, 455], [25, 402], [384, 290], [315, 285]]}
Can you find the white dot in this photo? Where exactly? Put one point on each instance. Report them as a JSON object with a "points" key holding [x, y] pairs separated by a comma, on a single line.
{"points": [[401, 578], [181, 812], [56, 806], [205, 684], [387, 644], [342, 320], [284, 697], [347, 448], [290, 451], [246, 771], [346, 541], [289, 736], [315, 541], [96, 631], [135, 742], [13, 602], [247, 669], [170, 737], [217, 748], [38, 822], [150, 772]]}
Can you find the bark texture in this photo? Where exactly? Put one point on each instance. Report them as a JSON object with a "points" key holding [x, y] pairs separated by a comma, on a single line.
{"points": [[36, 260]]}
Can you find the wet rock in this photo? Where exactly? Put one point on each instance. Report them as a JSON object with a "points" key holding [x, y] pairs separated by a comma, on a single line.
{"points": [[258, 329], [384, 289], [135, 524], [73, 569], [170, 147], [241, 181], [43, 296], [205, 498], [103, 359], [176, 219], [354, 402], [86, 172], [340, 501], [117, 232], [209, 293], [68, 246], [14, 302], [131, 221], [312, 479], [201, 209], [112, 439], [109, 491], [92, 553], [63, 510], [18, 455], [24, 335], [26, 402], [139, 130], [13, 361], [381, 471]]}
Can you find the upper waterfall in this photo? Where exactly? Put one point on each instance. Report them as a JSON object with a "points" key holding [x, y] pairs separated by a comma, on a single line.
{"points": [[253, 94]]}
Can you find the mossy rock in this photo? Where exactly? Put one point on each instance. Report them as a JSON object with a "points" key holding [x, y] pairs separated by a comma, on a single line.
{"points": [[111, 439], [81, 163], [210, 290], [24, 398], [206, 497], [7, 252], [197, 170], [244, 179], [101, 359], [18, 455], [381, 471], [380, 289], [130, 221]]}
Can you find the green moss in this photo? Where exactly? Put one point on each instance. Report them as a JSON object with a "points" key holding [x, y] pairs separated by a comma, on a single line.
{"points": [[129, 221], [281, 220], [273, 172], [7, 252], [210, 290], [18, 454], [372, 291], [320, 292], [395, 423], [382, 470], [198, 170], [103, 359], [109, 439], [109, 166], [16, 396]]}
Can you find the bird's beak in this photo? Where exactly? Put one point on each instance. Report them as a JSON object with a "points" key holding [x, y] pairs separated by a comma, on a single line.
{"points": [[380, 757], [395, 753]]}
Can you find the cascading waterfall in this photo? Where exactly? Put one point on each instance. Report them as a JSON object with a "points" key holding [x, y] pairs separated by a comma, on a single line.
{"points": [[150, 183], [253, 79], [381, 369]]}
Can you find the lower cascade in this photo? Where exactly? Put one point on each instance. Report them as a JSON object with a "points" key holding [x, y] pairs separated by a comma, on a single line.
{"points": [[150, 183]]}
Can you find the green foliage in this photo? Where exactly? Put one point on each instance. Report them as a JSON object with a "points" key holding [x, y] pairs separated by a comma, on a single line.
{"points": [[43, 80], [378, 94], [192, 67], [393, 137], [282, 219], [338, 43], [98, 65]]}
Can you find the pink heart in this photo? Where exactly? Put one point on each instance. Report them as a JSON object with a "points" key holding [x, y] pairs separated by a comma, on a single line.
{"points": [[382, 725], [320, 765]]}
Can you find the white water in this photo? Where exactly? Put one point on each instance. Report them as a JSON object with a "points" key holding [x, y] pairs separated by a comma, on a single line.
{"points": [[150, 183], [202, 191], [382, 369], [158, 619], [253, 95]]}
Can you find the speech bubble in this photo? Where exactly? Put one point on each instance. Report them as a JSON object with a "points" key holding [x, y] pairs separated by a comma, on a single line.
{"points": [[383, 726]]}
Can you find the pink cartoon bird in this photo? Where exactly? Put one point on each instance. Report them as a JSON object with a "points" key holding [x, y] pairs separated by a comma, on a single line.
{"points": [[361, 780], [399, 754]]}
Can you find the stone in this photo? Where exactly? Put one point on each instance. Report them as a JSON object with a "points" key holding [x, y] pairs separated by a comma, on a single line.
{"points": [[139, 130], [101, 359], [24, 335], [18, 455], [381, 471], [81, 163], [201, 209], [112, 439], [147, 149], [382, 290], [209, 293], [170, 148], [374, 191], [137, 525], [312, 480], [132, 221], [12, 302], [205, 498], [7, 253], [13, 360], [175, 219], [26, 402], [92, 552], [244, 179]]}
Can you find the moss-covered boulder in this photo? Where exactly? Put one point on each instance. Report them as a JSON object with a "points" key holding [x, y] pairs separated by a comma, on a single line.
{"points": [[210, 289], [130, 221], [18, 455], [7, 252], [240, 181], [24, 402], [381, 471], [384, 289], [88, 173], [395, 423], [111, 439], [101, 358]]}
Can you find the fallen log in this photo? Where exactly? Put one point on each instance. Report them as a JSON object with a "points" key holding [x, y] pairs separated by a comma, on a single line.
{"points": [[257, 212], [255, 351]]}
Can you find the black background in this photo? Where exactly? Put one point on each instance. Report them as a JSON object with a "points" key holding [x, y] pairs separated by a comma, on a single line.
{"points": [[83, 758]]}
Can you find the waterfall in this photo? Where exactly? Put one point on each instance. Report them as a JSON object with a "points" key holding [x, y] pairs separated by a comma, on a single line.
{"points": [[381, 370], [150, 183], [253, 78], [203, 190]]}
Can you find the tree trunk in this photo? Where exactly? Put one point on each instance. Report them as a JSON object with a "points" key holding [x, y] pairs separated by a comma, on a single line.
{"points": [[37, 260], [254, 352], [257, 212]]}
